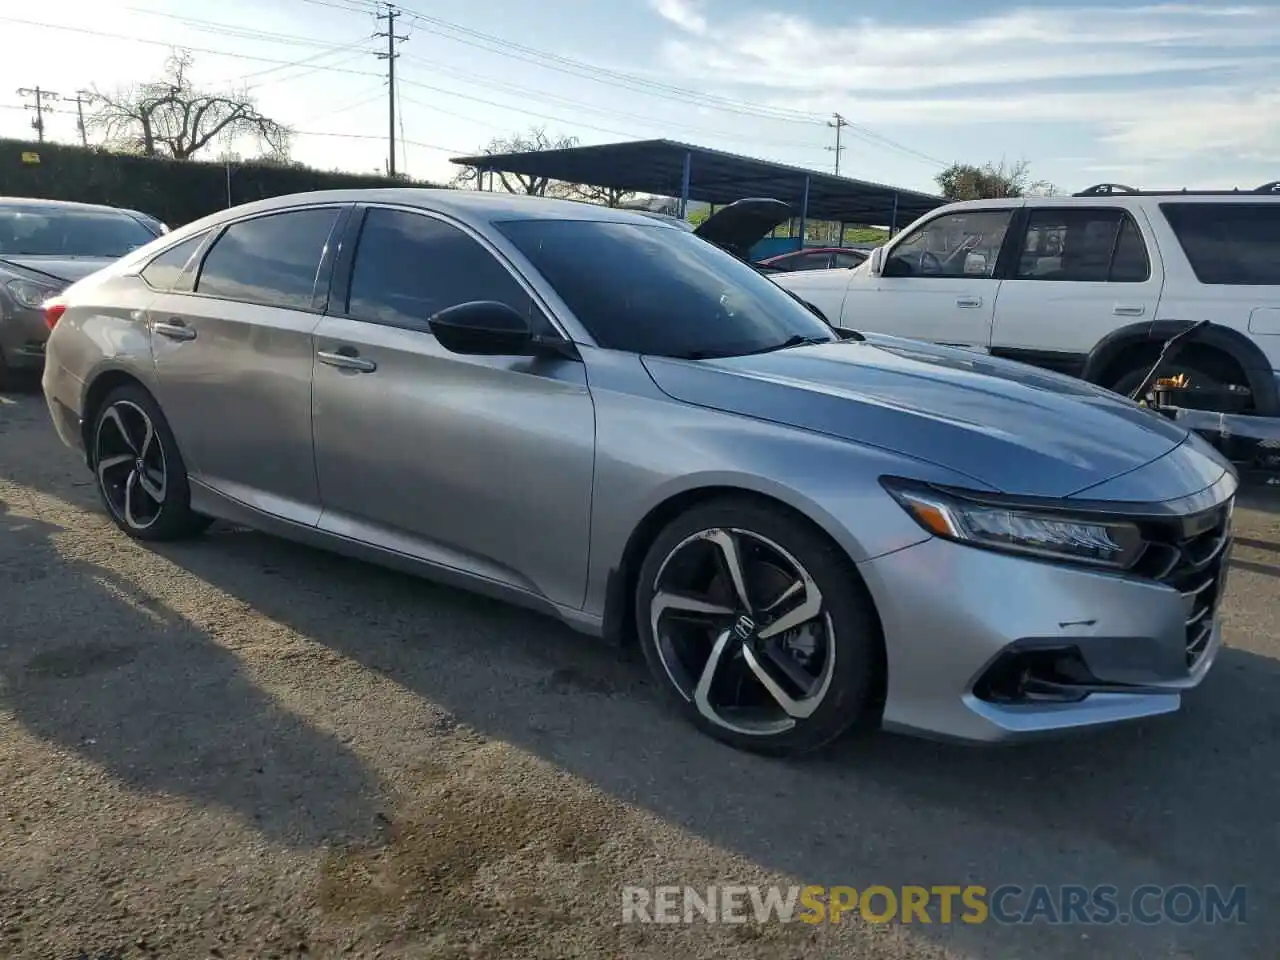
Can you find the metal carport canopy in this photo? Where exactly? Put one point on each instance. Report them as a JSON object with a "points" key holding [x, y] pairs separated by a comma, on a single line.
{"points": [[672, 169]]}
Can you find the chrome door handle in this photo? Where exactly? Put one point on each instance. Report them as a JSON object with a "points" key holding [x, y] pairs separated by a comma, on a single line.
{"points": [[1124, 310], [969, 302], [346, 361], [174, 329]]}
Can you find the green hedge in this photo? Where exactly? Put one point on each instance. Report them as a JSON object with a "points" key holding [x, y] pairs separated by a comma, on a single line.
{"points": [[176, 191]]}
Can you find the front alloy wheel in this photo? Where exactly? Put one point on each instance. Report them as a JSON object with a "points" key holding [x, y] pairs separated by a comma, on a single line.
{"points": [[739, 626]]}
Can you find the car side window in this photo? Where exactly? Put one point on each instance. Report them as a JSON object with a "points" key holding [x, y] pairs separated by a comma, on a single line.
{"points": [[409, 266], [964, 244], [811, 261], [846, 261], [163, 271], [270, 260], [1082, 245]]}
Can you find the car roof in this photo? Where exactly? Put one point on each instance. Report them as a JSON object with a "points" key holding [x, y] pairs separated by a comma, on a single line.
{"points": [[37, 203], [469, 205]]}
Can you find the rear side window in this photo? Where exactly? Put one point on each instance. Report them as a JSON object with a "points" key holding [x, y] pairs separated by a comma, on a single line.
{"points": [[163, 272], [409, 266], [1229, 243], [1083, 246], [269, 260]]}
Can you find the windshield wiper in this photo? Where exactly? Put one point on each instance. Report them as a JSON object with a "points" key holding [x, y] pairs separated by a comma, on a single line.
{"points": [[799, 340]]}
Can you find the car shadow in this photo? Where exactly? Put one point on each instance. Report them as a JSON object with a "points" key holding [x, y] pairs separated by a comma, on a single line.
{"points": [[159, 705], [1188, 799]]}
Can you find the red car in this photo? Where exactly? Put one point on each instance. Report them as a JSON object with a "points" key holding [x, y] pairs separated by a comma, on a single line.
{"points": [[817, 258]]}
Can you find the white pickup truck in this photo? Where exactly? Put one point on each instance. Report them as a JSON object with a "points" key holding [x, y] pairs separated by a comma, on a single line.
{"points": [[1090, 285]]}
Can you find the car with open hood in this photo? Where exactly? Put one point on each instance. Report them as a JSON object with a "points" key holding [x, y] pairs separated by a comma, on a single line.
{"points": [[45, 245], [601, 416]]}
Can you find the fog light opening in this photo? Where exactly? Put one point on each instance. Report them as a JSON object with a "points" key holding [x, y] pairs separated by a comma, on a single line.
{"points": [[1057, 675]]}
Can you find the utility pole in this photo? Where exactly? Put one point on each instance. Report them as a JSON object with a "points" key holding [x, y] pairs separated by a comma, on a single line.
{"points": [[42, 99], [80, 99], [839, 123], [391, 15]]}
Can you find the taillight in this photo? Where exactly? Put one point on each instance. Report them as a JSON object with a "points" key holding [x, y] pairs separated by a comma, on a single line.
{"points": [[53, 312]]}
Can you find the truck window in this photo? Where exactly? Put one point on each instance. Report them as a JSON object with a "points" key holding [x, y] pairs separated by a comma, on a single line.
{"points": [[1229, 243], [965, 244], [1081, 245]]}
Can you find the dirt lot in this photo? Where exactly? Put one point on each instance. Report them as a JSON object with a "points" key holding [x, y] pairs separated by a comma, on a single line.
{"points": [[241, 748]]}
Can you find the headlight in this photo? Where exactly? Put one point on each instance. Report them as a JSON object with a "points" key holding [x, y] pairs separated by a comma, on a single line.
{"points": [[985, 522], [31, 294]]}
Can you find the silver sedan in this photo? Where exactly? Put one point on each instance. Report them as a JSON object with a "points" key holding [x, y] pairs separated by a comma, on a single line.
{"points": [[599, 415]]}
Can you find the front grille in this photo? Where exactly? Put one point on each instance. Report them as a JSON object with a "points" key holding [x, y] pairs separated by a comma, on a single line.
{"points": [[1190, 556]]}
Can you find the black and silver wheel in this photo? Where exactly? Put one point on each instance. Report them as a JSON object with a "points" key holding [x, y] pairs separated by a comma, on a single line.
{"points": [[140, 474], [759, 627]]}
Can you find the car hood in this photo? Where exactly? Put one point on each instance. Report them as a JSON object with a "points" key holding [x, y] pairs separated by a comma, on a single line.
{"points": [[743, 223], [69, 269], [1012, 427]]}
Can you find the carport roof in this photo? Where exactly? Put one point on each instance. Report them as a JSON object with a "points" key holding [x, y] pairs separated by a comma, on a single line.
{"points": [[658, 167]]}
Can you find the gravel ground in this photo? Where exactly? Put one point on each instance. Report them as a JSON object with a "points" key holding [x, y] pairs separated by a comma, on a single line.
{"points": [[238, 747]]}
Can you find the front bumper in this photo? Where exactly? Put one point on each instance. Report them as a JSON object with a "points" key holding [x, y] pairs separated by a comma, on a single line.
{"points": [[955, 617], [23, 334]]}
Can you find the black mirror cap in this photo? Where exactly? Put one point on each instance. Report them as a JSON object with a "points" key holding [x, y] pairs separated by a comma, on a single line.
{"points": [[483, 328]]}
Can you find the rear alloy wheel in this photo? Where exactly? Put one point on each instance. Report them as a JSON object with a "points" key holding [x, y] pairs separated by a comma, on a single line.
{"points": [[140, 474], [759, 628]]}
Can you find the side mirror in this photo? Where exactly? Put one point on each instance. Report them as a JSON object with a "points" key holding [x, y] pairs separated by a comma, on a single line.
{"points": [[975, 264], [483, 328], [877, 262]]}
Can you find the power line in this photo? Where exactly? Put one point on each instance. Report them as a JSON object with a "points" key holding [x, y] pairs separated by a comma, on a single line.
{"points": [[392, 14], [40, 106]]}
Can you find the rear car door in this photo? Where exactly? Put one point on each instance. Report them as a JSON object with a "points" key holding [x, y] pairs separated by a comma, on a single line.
{"points": [[233, 357], [1078, 274], [476, 463], [938, 281]]}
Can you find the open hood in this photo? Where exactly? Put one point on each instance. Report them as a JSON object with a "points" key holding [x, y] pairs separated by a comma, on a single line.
{"points": [[744, 223]]}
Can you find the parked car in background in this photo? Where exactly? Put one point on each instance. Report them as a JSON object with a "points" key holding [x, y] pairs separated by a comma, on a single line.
{"points": [[44, 246], [1089, 285], [817, 258], [603, 417]]}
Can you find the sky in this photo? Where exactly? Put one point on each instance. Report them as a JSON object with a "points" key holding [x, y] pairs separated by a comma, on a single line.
{"points": [[1149, 95]]}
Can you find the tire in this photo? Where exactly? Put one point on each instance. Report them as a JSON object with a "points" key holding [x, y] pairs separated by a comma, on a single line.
{"points": [[827, 661], [1197, 373], [138, 470]]}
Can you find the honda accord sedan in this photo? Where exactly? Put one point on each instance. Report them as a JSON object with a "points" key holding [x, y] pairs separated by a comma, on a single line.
{"points": [[613, 420]]}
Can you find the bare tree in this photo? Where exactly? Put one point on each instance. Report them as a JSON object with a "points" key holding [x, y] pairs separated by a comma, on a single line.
{"points": [[170, 117], [606, 196], [536, 139]]}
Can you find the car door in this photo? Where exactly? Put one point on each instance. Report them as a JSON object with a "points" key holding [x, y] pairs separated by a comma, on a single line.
{"points": [[938, 280], [233, 358], [1078, 273], [476, 463]]}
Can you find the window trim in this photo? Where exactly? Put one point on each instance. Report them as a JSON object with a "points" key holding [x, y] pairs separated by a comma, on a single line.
{"points": [[320, 282], [185, 273], [1122, 213], [1016, 211], [345, 262]]}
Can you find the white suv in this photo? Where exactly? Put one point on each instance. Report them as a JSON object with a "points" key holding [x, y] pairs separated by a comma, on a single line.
{"points": [[1089, 285]]}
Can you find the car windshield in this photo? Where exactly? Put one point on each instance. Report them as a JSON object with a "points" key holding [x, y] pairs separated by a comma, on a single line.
{"points": [[53, 232], [663, 292]]}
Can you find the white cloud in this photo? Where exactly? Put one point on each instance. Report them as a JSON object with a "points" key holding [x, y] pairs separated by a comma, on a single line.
{"points": [[1161, 81], [683, 13]]}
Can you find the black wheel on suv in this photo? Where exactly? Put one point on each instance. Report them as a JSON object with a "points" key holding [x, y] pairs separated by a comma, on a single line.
{"points": [[1207, 379]]}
